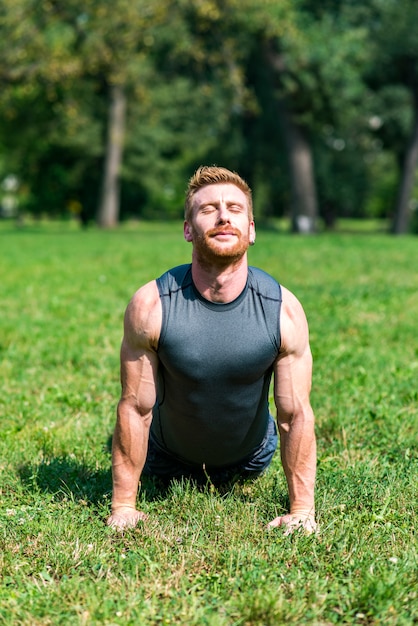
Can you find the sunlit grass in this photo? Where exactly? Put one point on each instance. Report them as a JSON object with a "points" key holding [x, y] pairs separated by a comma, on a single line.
{"points": [[204, 557]]}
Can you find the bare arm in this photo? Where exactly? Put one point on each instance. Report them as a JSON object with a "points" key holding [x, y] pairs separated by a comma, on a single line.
{"points": [[139, 364], [295, 418]]}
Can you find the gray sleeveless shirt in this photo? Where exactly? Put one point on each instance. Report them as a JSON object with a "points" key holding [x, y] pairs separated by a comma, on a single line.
{"points": [[215, 368]]}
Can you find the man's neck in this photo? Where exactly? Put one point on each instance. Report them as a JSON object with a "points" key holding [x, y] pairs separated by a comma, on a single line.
{"points": [[220, 284]]}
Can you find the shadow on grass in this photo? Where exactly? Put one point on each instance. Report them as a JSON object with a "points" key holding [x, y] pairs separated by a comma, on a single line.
{"points": [[66, 477]]}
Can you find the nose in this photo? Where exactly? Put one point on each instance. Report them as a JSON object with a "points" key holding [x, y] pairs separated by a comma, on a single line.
{"points": [[223, 214]]}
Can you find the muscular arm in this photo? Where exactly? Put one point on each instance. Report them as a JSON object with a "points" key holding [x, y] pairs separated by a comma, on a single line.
{"points": [[295, 418], [139, 364]]}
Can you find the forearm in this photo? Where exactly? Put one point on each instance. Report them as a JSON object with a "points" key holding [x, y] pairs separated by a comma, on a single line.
{"points": [[129, 450], [298, 454]]}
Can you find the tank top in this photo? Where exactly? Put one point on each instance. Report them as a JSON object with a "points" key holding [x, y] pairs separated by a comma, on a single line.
{"points": [[215, 367]]}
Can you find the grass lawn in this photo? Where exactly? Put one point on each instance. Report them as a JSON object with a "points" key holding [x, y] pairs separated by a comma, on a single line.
{"points": [[204, 558]]}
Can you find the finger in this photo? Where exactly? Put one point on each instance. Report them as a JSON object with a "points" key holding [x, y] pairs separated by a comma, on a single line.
{"points": [[119, 522], [116, 523], [293, 523], [278, 521]]}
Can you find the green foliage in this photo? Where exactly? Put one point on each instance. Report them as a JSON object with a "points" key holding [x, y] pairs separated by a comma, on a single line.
{"points": [[201, 86], [204, 557]]}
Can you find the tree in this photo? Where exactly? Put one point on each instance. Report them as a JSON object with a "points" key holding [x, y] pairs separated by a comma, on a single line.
{"points": [[109, 106], [52, 104], [395, 68], [70, 57], [114, 41], [315, 73]]}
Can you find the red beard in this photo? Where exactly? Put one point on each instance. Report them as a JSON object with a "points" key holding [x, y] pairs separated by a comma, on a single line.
{"points": [[210, 252]]}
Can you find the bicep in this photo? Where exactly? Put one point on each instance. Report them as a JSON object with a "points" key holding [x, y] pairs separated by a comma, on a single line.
{"points": [[138, 370], [138, 356], [293, 367], [292, 383]]}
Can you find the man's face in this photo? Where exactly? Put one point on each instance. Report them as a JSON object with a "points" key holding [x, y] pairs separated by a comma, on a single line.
{"points": [[220, 228]]}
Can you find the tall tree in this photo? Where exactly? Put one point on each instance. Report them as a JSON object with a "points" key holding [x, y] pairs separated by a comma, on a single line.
{"points": [[67, 56], [144, 92], [315, 63], [395, 47], [35, 56], [304, 208], [114, 41]]}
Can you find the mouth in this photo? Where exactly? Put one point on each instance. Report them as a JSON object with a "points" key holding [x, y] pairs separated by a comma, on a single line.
{"points": [[223, 233]]}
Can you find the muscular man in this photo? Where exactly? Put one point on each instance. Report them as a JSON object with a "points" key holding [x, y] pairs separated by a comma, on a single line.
{"points": [[200, 346]]}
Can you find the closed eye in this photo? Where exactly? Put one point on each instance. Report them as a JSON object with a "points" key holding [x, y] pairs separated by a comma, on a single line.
{"points": [[208, 208]]}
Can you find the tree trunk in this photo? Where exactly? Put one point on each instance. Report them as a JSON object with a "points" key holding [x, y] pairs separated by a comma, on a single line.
{"points": [[108, 212], [304, 198], [304, 202], [402, 209]]}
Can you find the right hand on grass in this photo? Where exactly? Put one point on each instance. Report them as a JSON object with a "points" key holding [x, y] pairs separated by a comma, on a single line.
{"points": [[125, 517], [295, 522]]}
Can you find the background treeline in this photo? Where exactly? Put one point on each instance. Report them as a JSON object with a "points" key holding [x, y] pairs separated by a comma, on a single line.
{"points": [[107, 107]]}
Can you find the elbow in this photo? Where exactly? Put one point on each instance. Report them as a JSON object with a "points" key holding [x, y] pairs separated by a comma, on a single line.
{"points": [[130, 408], [302, 416]]}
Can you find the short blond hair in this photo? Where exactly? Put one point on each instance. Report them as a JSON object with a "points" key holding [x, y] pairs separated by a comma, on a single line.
{"points": [[214, 175]]}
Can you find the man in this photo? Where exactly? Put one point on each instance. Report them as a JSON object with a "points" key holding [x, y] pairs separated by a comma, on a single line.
{"points": [[200, 346]]}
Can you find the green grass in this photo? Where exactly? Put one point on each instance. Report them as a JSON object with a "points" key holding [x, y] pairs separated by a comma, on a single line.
{"points": [[204, 558]]}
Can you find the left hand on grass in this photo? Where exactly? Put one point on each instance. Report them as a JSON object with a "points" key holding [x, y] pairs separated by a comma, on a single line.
{"points": [[125, 517]]}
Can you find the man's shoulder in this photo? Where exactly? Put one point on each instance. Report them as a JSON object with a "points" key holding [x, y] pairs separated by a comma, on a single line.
{"points": [[291, 304], [173, 279], [265, 283], [143, 313], [146, 296], [295, 332]]}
